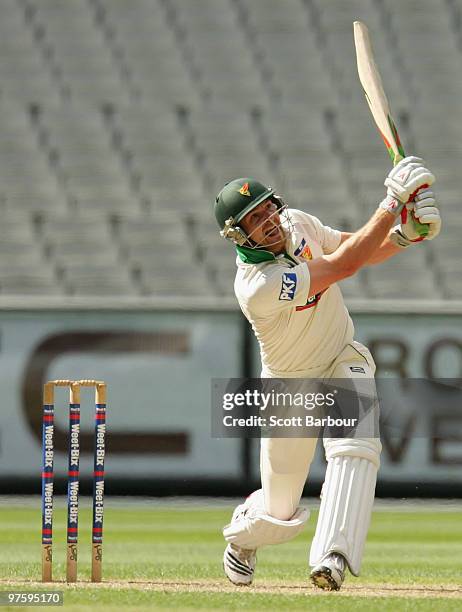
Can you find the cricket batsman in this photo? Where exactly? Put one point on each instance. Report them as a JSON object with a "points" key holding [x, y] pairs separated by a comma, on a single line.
{"points": [[288, 266]]}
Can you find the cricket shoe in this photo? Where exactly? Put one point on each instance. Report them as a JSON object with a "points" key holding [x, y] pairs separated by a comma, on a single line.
{"points": [[239, 564], [330, 573]]}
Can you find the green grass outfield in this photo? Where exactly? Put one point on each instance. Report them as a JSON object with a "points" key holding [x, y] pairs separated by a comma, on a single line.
{"points": [[157, 556]]}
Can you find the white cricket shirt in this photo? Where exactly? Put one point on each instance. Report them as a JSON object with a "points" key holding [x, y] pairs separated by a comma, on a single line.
{"points": [[296, 331]]}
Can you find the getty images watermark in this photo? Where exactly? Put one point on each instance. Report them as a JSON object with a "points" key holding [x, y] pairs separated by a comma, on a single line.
{"points": [[293, 408], [266, 402]]}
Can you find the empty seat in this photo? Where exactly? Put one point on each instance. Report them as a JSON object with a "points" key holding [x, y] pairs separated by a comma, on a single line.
{"points": [[151, 53], [402, 276], [183, 282], [79, 50], [161, 230], [222, 82], [98, 279], [20, 251], [26, 279], [59, 228], [39, 199]]}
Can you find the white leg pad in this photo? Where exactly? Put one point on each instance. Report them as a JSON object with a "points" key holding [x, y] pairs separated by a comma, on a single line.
{"points": [[347, 499], [252, 528]]}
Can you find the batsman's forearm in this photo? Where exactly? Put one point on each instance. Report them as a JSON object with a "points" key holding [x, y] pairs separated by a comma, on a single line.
{"points": [[352, 254], [361, 246]]}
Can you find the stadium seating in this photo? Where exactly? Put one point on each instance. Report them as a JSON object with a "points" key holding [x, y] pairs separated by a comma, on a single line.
{"points": [[121, 120]]}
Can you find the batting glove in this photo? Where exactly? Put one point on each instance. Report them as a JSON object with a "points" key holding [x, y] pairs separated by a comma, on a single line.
{"points": [[407, 177], [424, 210], [392, 205]]}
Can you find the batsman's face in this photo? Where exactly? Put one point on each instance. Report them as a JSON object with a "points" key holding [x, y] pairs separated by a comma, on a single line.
{"points": [[263, 226]]}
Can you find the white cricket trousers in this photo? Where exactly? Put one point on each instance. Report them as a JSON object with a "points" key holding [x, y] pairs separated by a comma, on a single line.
{"points": [[285, 462]]}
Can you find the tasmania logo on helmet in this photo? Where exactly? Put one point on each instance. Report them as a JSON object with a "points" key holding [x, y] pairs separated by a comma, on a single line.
{"points": [[289, 285], [244, 190]]}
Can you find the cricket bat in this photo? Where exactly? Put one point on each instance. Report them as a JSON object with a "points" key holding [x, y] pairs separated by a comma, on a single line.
{"points": [[377, 100]]}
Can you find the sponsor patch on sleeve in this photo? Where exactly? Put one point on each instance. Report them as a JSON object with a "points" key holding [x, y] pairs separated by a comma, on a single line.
{"points": [[289, 285], [300, 247], [303, 250]]}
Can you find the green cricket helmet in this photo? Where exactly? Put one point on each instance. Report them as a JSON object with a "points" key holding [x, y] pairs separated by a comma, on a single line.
{"points": [[235, 200]]}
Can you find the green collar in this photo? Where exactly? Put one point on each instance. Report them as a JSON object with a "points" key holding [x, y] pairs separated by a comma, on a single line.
{"points": [[255, 256]]}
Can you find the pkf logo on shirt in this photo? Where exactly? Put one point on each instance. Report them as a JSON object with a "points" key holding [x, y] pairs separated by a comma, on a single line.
{"points": [[289, 285]]}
